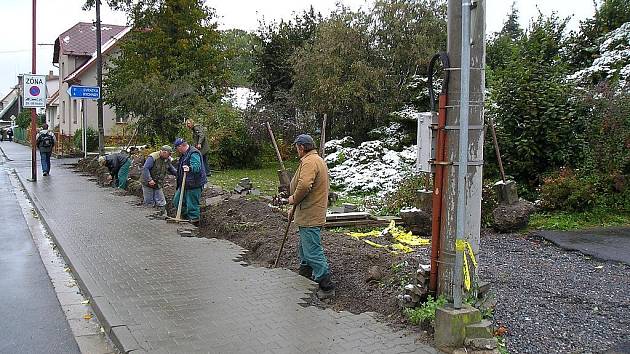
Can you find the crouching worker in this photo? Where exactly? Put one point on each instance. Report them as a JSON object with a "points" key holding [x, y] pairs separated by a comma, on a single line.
{"points": [[309, 195], [118, 166], [190, 164], [154, 171]]}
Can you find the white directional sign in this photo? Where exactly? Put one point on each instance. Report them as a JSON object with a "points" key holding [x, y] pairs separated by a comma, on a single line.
{"points": [[34, 91]]}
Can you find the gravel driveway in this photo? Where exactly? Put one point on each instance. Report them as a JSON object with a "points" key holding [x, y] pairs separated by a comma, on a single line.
{"points": [[553, 300]]}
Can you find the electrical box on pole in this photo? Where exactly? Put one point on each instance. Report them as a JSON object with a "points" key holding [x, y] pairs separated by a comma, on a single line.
{"points": [[426, 147]]}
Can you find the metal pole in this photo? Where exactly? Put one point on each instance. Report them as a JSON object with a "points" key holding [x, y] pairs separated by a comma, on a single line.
{"points": [[84, 124], [99, 80], [33, 110]]}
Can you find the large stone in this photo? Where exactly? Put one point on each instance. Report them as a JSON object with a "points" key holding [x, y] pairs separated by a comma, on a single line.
{"points": [[374, 274], [482, 329], [512, 217], [450, 325], [417, 220], [481, 343], [506, 192]]}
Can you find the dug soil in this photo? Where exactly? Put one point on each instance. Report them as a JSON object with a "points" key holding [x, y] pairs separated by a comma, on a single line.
{"points": [[259, 228]]}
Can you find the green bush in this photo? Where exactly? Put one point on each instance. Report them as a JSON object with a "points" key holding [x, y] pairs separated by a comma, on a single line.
{"points": [[92, 139], [564, 190], [234, 148], [426, 311]]}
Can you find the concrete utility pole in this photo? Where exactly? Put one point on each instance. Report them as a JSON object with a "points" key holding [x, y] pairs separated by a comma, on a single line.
{"points": [[462, 201], [99, 81]]}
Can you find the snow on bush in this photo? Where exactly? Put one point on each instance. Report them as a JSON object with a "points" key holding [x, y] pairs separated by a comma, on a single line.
{"points": [[613, 62], [241, 97], [372, 167]]}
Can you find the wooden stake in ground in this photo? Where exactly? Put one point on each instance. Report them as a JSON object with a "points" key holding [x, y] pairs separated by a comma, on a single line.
{"points": [[496, 148], [286, 234], [322, 140]]}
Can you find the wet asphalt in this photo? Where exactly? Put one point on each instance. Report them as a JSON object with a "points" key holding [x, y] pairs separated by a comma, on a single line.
{"points": [[31, 318]]}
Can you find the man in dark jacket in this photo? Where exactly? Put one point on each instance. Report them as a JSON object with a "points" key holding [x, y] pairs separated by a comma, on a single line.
{"points": [[200, 142], [154, 171], [45, 143], [118, 165], [191, 162]]}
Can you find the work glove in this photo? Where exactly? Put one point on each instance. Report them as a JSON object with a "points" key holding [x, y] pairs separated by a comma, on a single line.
{"points": [[186, 168]]}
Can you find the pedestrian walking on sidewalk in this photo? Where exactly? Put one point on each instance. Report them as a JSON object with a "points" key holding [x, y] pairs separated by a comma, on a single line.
{"points": [[118, 165], [191, 162], [154, 171], [10, 134], [45, 142], [309, 194], [200, 142]]}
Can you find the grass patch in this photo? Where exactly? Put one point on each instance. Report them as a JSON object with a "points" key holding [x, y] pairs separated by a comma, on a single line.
{"points": [[264, 179], [565, 220]]}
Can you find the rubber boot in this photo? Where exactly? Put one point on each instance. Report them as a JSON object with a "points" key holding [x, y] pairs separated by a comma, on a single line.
{"points": [[306, 271], [326, 288]]}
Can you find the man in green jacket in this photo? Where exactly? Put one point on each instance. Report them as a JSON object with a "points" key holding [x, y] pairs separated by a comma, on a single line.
{"points": [[200, 141], [190, 161], [309, 195], [156, 167]]}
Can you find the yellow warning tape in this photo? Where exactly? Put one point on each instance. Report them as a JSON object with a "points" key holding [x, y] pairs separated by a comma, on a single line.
{"points": [[404, 239], [463, 246]]}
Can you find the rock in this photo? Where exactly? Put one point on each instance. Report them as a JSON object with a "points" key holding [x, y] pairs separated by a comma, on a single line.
{"points": [[418, 221], [506, 192], [254, 192], [240, 189], [374, 274], [137, 163], [481, 343], [245, 183], [349, 208], [214, 201], [508, 218]]}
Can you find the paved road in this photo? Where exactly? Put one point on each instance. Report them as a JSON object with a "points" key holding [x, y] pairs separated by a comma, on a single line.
{"points": [[157, 292], [31, 318], [611, 244]]}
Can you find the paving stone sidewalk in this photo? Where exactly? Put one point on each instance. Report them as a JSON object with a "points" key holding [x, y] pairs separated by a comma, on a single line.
{"points": [[157, 292]]}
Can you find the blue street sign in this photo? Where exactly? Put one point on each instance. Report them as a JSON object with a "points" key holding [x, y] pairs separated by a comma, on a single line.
{"points": [[88, 92]]}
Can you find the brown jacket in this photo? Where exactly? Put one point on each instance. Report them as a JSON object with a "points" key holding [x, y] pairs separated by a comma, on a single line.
{"points": [[309, 188]]}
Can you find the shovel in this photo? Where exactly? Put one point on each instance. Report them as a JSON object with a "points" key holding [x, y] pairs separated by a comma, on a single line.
{"points": [[178, 217], [284, 240]]}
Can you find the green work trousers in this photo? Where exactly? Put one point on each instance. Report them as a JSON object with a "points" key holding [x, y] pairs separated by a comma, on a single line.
{"points": [[311, 251], [123, 174], [190, 205]]}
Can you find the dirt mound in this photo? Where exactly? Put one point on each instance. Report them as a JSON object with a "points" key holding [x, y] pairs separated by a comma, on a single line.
{"points": [[255, 226]]}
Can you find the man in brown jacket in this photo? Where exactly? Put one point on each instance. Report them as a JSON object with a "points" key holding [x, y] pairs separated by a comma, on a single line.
{"points": [[309, 195]]}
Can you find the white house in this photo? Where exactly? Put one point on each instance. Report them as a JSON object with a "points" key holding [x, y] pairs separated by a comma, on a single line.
{"points": [[75, 52]]}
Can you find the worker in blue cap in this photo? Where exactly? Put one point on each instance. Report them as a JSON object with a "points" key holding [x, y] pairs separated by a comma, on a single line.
{"points": [[191, 162]]}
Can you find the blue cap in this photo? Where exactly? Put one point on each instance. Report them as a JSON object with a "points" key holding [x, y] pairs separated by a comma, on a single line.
{"points": [[178, 142], [304, 139]]}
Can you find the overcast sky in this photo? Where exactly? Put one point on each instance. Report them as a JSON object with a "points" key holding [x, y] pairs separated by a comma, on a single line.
{"points": [[56, 16]]}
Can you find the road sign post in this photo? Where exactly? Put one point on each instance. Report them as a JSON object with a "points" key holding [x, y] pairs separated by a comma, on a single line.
{"points": [[84, 93]]}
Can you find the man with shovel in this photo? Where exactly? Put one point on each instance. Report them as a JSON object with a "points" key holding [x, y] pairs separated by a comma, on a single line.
{"points": [[309, 196], [191, 177]]}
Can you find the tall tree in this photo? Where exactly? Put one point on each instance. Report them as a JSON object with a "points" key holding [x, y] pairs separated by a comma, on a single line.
{"points": [[336, 74], [170, 66]]}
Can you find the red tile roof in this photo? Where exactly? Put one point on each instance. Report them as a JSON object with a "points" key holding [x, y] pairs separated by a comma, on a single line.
{"points": [[81, 39]]}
